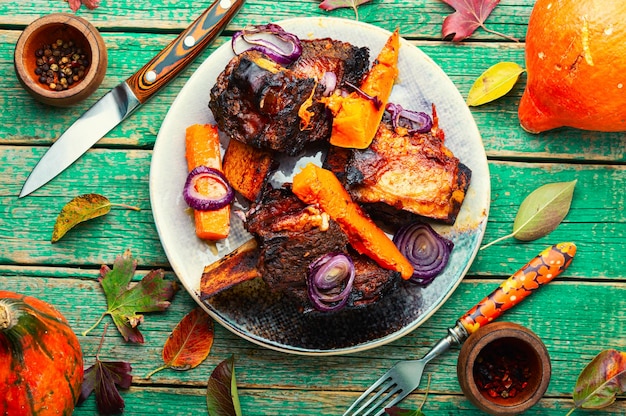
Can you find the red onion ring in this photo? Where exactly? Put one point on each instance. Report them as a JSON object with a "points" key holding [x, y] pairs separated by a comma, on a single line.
{"points": [[374, 99], [325, 279], [271, 39], [426, 250], [201, 202], [415, 121]]}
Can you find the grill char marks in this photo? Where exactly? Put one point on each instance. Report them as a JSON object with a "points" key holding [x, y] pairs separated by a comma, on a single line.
{"points": [[292, 235], [411, 173], [259, 102]]}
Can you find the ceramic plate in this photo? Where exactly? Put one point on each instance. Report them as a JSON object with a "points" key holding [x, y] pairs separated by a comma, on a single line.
{"points": [[251, 310]]}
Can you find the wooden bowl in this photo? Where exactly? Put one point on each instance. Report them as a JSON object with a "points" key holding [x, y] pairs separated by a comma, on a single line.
{"points": [[504, 369], [47, 31]]}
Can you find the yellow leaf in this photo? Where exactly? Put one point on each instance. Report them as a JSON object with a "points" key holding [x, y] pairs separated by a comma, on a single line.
{"points": [[494, 83]]}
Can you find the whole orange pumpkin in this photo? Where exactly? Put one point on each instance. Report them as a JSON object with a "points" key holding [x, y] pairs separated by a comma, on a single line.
{"points": [[576, 66], [41, 362]]}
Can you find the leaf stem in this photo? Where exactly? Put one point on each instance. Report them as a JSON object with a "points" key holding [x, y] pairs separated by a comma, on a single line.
{"points": [[511, 38], [126, 206], [156, 370], [571, 411], [497, 241], [94, 325], [426, 393]]}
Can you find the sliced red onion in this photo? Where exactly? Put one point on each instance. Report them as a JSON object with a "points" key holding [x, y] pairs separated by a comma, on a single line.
{"points": [[374, 99], [329, 81], [426, 250], [201, 202], [271, 39], [329, 281], [415, 121]]}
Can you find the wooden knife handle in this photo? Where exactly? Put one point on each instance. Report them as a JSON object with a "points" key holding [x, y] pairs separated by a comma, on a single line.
{"points": [[536, 273], [183, 50]]}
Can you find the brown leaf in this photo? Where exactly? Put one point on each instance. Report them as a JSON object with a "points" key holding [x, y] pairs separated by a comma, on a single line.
{"points": [[189, 343]]}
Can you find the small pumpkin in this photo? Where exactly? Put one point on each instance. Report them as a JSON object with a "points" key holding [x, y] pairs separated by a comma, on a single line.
{"points": [[575, 63], [41, 362]]}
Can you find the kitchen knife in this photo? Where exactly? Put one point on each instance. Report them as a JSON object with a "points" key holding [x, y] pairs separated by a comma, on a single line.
{"points": [[123, 100]]}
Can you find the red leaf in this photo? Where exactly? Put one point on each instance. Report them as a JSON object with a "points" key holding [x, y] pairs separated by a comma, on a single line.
{"points": [[337, 4], [105, 377], [469, 16], [221, 396], [190, 342]]}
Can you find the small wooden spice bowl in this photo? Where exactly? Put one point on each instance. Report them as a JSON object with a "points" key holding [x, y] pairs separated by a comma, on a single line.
{"points": [[79, 42], [504, 369]]}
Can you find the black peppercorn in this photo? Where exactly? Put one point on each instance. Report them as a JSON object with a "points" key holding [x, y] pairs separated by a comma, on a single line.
{"points": [[60, 64]]}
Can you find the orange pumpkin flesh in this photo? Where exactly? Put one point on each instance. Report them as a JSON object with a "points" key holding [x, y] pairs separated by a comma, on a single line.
{"points": [[576, 66], [41, 362]]}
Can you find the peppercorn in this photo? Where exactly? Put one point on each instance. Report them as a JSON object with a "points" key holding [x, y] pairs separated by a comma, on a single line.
{"points": [[60, 64]]}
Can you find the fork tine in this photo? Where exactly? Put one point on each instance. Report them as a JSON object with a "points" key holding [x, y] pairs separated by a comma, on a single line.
{"points": [[388, 383], [380, 403], [367, 392]]}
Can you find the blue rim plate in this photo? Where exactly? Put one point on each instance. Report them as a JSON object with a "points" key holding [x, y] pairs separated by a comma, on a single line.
{"points": [[250, 310]]}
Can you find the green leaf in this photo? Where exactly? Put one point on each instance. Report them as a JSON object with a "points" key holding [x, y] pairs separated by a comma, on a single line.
{"points": [[601, 380], [494, 83], [541, 212], [221, 396], [79, 209], [124, 302]]}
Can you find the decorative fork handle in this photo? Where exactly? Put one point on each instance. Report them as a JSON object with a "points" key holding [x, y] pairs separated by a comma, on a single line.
{"points": [[536, 273]]}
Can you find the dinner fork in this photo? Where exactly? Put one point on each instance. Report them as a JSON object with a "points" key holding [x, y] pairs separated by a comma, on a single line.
{"points": [[405, 376]]}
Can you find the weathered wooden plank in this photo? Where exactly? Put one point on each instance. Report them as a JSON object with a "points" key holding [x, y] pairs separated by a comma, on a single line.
{"points": [[497, 122], [304, 402], [596, 217], [415, 18], [598, 305]]}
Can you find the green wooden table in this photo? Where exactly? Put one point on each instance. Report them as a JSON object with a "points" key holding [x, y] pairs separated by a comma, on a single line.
{"points": [[580, 314]]}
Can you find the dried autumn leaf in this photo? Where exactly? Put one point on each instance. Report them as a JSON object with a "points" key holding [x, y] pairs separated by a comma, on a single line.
{"points": [[494, 83], [80, 209], [541, 212], [189, 343], [337, 4], [221, 396], [105, 377], [124, 303], [469, 16], [398, 411], [601, 380], [90, 4]]}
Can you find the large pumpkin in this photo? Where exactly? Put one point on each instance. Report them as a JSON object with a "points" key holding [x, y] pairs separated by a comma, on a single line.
{"points": [[576, 66], [41, 363]]}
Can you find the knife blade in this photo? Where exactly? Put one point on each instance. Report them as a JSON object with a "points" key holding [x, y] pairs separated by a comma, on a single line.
{"points": [[119, 103]]}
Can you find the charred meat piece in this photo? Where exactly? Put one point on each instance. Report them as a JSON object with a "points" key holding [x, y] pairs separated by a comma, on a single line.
{"points": [[268, 106], [371, 281], [292, 235], [331, 62], [257, 102], [409, 172]]}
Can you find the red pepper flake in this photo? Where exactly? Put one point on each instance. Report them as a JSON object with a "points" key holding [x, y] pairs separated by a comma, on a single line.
{"points": [[502, 370]]}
